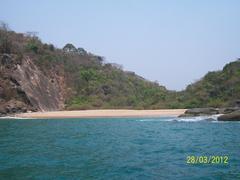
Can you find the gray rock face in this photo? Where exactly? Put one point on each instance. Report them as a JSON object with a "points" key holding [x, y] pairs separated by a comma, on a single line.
{"points": [[200, 112], [230, 113], [23, 87], [234, 116], [42, 92], [228, 110]]}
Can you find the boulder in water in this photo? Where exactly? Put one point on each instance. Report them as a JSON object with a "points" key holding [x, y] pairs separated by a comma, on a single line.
{"points": [[234, 116], [200, 112]]}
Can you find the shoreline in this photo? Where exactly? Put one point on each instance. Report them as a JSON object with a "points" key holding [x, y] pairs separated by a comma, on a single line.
{"points": [[103, 113]]}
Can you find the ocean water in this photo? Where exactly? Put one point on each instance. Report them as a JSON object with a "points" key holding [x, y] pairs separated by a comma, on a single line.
{"points": [[117, 148]]}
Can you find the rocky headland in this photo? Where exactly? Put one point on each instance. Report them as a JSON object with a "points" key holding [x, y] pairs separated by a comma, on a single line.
{"points": [[225, 114]]}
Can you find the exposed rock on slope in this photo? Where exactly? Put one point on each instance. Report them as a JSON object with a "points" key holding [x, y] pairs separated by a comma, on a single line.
{"points": [[43, 93], [24, 87], [13, 106]]}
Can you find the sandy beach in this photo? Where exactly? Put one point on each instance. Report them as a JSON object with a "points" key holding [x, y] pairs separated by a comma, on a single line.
{"points": [[103, 113]]}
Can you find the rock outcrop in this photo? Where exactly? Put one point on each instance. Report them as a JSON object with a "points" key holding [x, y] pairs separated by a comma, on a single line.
{"points": [[14, 106], [234, 116], [228, 114], [24, 87], [200, 112], [43, 93], [228, 110]]}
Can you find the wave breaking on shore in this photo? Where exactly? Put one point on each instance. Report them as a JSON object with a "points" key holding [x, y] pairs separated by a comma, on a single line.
{"points": [[14, 117], [212, 118]]}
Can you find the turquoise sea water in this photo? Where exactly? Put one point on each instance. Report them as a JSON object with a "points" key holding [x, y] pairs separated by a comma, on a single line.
{"points": [[119, 148]]}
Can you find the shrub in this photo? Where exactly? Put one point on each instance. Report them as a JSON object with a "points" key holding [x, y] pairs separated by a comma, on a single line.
{"points": [[32, 46]]}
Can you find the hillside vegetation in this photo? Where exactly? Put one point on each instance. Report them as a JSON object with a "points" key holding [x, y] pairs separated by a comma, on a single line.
{"points": [[35, 73], [215, 89], [88, 81]]}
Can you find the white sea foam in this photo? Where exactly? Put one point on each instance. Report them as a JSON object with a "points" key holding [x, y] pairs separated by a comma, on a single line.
{"points": [[212, 118], [13, 117], [196, 119], [149, 120]]}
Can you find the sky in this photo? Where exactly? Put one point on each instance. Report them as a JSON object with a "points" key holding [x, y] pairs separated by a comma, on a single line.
{"points": [[174, 42]]}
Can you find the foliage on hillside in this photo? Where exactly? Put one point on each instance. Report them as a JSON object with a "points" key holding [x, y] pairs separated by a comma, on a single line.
{"points": [[92, 83], [215, 89]]}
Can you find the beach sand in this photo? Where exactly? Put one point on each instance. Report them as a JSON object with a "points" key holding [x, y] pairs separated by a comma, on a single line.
{"points": [[103, 113]]}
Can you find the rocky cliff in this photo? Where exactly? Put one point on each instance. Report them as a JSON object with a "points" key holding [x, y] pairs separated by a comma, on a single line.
{"points": [[43, 92], [23, 86]]}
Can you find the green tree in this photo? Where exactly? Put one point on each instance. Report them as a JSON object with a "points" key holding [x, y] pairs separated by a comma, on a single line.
{"points": [[69, 48]]}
